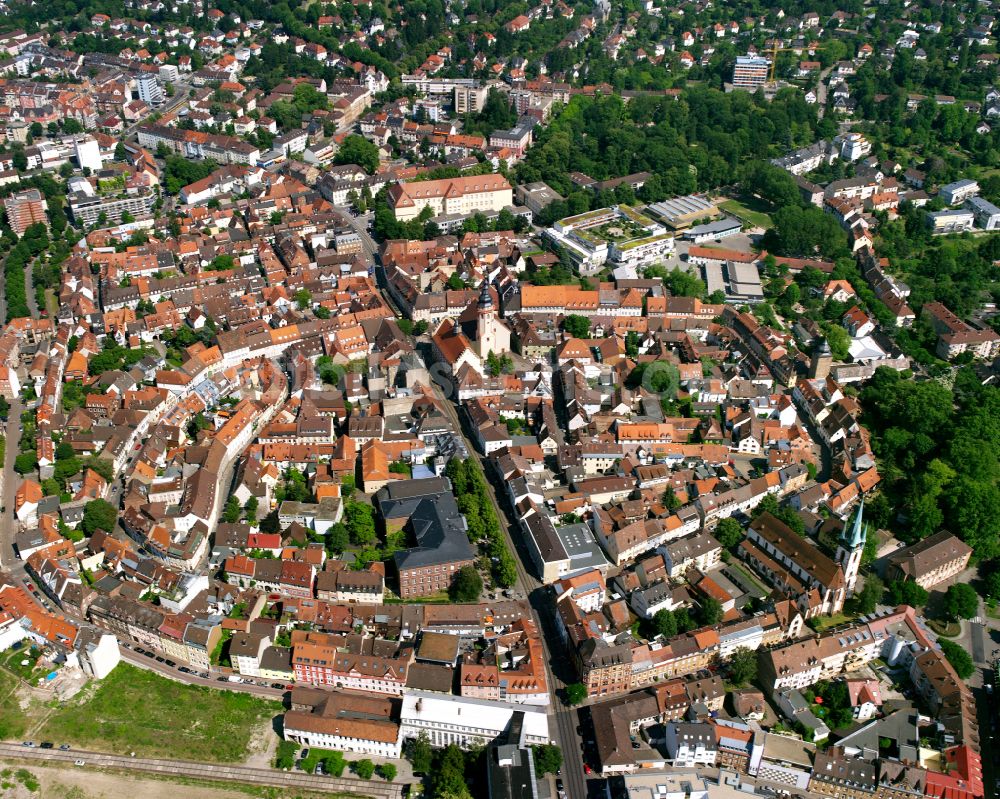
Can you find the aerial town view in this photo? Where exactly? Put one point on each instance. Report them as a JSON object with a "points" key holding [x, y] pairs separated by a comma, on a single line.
{"points": [[499, 399]]}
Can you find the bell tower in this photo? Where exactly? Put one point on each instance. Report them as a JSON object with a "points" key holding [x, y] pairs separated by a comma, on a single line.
{"points": [[486, 322], [851, 547]]}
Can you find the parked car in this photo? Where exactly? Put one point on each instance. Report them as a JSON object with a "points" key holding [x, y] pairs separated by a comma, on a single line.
{"points": [[80, 763], [47, 745], [64, 748], [29, 744]]}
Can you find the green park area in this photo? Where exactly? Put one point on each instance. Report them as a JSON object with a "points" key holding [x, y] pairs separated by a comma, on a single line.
{"points": [[132, 710]]}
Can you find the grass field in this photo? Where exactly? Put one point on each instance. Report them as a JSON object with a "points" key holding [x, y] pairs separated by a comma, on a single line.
{"points": [[751, 211], [133, 710], [13, 722]]}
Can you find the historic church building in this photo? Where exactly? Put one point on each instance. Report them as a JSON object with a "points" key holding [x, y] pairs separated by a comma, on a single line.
{"points": [[465, 343], [818, 584]]}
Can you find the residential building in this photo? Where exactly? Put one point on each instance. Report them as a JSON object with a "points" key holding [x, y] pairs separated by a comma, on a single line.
{"points": [[958, 192], [24, 209], [750, 72]]}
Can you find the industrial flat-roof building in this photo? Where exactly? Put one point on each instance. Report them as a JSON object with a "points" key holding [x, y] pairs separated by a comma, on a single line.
{"points": [[682, 212], [713, 231]]}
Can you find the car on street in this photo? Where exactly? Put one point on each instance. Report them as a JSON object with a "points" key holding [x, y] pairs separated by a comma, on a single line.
{"points": [[47, 745], [64, 748], [29, 744]]}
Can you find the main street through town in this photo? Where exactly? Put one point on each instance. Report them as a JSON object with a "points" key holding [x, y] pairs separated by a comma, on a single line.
{"points": [[556, 665]]}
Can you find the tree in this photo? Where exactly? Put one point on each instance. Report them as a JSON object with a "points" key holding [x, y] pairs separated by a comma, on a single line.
{"points": [[302, 298], [363, 768], [104, 467], [742, 666], [991, 585], [577, 326], [959, 659], [387, 771], [839, 341], [575, 693], [467, 585], [358, 150], [360, 523], [231, 513], [420, 754], [251, 509], [665, 623], [729, 533], [548, 758], [670, 500], [26, 462], [684, 284], [334, 764], [337, 539], [870, 595], [448, 779], [99, 514], [907, 592], [960, 602], [271, 523], [284, 758], [709, 611]]}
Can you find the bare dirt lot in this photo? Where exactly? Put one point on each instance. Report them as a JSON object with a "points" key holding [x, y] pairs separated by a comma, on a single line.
{"points": [[67, 783]]}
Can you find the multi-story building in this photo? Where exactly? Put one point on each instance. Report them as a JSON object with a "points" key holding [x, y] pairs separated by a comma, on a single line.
{"points": [[518, 139], [958, 192], [319, 661], [468, 722], [931, 561], [750, 72], [986, 213], [956, 336], [428, 509], [149, 89], [464, 195], [346, 722], [24, 209], [951, 220], [88, 208]]}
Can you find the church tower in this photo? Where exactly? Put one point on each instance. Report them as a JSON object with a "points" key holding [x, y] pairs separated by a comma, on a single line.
{"points": [[821, 361], [486, 323], [851, 547]]}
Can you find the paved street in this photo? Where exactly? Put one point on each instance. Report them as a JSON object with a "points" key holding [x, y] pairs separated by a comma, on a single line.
{"points": [[8, 525], [375, 789]]}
